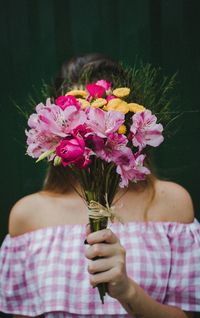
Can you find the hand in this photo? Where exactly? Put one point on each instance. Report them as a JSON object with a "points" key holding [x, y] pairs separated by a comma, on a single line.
{"points": [[111, 267]]}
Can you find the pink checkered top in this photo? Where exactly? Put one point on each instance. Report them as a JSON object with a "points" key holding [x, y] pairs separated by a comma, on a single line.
{"points": [[45, 271]]}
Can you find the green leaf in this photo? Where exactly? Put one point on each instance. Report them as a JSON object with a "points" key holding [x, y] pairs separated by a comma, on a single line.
{"points": [[44, 155]]}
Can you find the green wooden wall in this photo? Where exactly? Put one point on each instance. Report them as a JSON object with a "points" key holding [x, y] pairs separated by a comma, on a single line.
{"points": [[38, 35]]}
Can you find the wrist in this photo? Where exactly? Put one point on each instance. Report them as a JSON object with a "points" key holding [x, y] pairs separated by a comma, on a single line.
{"points": [[130, 293]]}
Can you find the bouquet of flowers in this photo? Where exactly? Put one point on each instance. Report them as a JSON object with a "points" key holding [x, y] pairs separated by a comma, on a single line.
{"points": [[100, 137]]}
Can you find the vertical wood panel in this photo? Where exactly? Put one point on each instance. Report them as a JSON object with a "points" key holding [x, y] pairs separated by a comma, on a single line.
{"points": [[36, 36]]}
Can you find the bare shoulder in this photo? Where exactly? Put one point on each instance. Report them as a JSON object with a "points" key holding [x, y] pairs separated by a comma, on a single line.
{"points": [[174, 201], [45, 209], [23, 214]]}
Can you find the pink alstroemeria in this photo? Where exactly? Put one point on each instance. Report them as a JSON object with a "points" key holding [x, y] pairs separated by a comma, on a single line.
{"points": [[40, 141], [49, 124], [83, 162], [111, 148], [130, 168], [33, 120], [140, 171], [106, 85], [53, 119], [103, 123], [83, 131], [65, 101], [125, 163], [145, 130], [95, 91]]}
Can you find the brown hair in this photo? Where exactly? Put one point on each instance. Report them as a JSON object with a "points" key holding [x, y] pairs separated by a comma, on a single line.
{"points": [[58, 179], [95, 65]]}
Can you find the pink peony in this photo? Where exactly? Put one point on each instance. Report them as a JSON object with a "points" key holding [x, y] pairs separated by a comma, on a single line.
{"points": [[65, 101], [102, 123], [72, 151], [111, 148], [145, 130], [95, 91], [106, 85]]}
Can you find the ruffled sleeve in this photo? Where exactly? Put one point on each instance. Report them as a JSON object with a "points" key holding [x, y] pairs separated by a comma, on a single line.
{"points": [[183, 288], [13, 284]]}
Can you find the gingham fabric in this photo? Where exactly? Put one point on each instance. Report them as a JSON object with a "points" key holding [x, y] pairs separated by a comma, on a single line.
{"points": [[45, 271]]}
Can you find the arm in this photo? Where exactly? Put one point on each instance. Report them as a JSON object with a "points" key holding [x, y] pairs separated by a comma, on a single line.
{"points": [[134, 301], [111, 269]]}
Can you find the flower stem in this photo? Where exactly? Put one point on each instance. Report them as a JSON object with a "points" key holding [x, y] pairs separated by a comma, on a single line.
{"points": [[96, 225]]}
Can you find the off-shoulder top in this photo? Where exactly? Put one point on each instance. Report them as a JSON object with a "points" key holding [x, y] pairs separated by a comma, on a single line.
{"points": [[45, 271]]}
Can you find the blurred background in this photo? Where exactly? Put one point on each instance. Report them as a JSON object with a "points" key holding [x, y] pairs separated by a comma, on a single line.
{"points": [[37, 36]]}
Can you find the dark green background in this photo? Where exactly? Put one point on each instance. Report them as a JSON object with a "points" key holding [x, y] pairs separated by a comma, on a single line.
{"points": [[38, 35]]}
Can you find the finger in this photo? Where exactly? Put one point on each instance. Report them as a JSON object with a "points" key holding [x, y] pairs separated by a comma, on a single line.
{"points": [[101, 250], [100, 265], [88, 229], [110, 276], [105, 235]]}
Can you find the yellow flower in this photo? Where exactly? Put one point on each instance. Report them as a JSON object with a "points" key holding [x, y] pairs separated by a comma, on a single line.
{"points": [[135, 108], [84, 103], [122, 129], [99, 102], [119, 105], [121, 92], [77, 92]]}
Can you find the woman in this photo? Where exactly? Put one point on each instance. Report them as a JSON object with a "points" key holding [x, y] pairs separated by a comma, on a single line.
{"points": [[150, 264]]}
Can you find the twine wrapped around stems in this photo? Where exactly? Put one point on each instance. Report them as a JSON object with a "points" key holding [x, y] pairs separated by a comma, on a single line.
{"points": [[96, 211]]}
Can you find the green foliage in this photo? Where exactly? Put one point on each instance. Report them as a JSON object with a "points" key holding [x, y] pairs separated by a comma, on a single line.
{"points": [[149, 87]]}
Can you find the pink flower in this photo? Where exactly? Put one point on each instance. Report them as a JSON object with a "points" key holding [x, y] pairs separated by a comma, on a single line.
{"points": [[49, 124], [85, 160], [140, 171], [145, 131], [72, 151], [95, 91], [106, 85], [109, 97], [33, 121], [102, 123], [65, 101], [125, 163], [83, 131], [111, 148], [57, 121], [39, 142], [130, 167]]}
